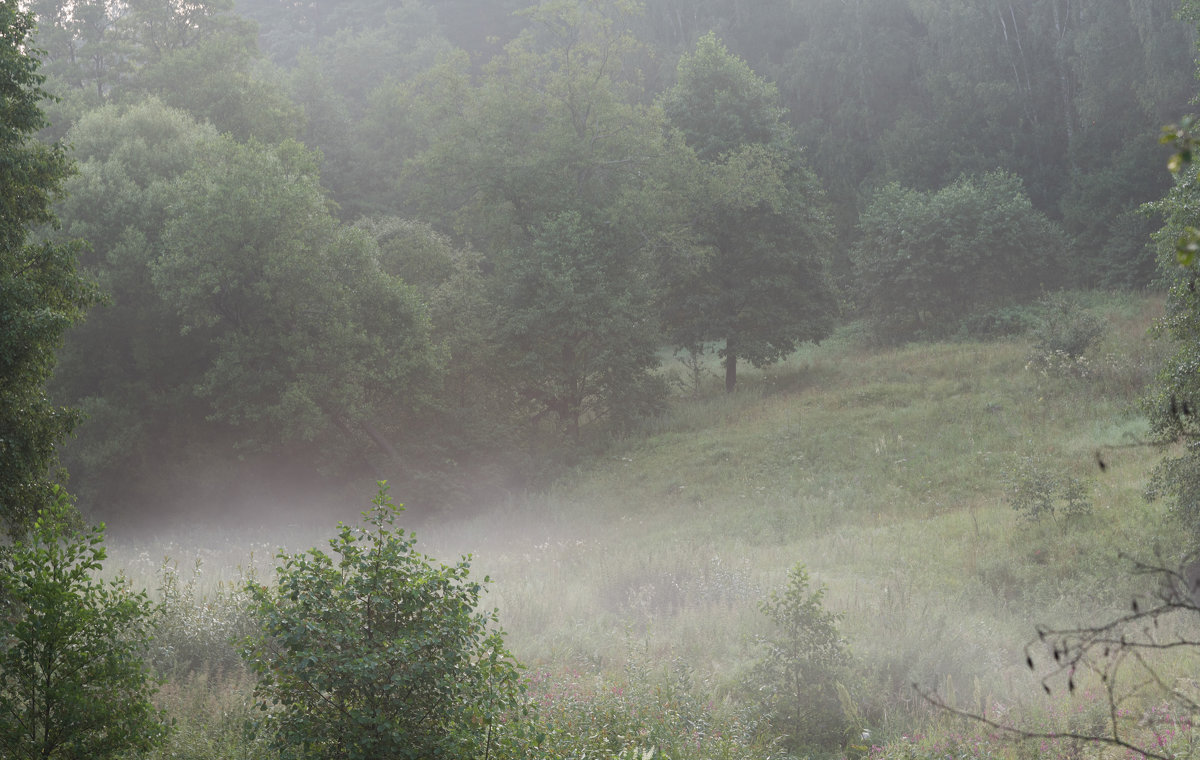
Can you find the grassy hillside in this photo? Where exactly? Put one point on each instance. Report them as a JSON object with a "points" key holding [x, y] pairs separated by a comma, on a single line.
{"points": [[882, 470]]}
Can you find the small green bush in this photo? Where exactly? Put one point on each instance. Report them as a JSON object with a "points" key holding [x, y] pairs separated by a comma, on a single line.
{"points": [[1065, 327], [375, 651], [1036, 492], [198, 630], [801, 668], [73, 682]]}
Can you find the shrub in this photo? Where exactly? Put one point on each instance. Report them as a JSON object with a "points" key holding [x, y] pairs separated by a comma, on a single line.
{"points": [[199, 630], [1035, 492], [925, 261], [798, 675], [1065, 327], [73, 683], [375, 651]]}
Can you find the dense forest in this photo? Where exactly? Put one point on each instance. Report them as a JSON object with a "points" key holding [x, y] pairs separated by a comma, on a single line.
{"points": [[435, 242]]}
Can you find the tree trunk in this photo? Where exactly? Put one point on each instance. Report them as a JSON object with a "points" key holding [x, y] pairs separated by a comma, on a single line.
{"points": [[384, 445], [730, 368]]}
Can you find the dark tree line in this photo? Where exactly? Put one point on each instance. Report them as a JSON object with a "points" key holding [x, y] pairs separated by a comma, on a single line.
{"points": [[431, 241]]}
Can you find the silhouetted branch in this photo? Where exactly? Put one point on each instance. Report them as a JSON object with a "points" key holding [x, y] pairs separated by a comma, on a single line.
{"points": [[1022, 734], [1118, 652]]}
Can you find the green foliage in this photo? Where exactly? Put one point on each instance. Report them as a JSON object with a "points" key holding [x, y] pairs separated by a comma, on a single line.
{"points": [[650, 710], [1172, 403], [1036, 492], [216, 81], [577, 326], [1186, 236], [252, 257], [804, 662], [241, 308], [128, 366], [373, 650], [477, 421], [196, 56], [927, 260], [749, 266], [196, 630], [720, 104], [41, 294], [547, 168], [1065, 326], [73, 684], [555, 124]]}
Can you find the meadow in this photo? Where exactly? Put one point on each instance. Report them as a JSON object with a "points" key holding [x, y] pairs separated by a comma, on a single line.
{"points": [[632, 589]]}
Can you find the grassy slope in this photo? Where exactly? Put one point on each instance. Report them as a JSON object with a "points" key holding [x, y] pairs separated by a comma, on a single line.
{"points": [[882, 472]]}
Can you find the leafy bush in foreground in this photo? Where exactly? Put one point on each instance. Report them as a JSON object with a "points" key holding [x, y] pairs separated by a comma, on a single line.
{"points": [[73, 683], [375, 651], [800, 672]]}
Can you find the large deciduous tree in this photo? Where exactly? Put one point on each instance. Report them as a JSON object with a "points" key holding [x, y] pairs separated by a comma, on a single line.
{"points": [[538, 166], [129, 367], [575, 326], [41, 294], [314, 342], [754, 272], [246, 321]]}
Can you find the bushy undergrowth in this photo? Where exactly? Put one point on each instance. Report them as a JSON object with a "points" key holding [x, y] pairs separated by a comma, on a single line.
{"points": [[199, 627], [215, 718], [650, 710], [1065, 326]]}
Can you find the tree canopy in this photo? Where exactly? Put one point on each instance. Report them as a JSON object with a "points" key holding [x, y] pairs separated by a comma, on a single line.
{"points": [[754, 272], [927, 260], [41, 294], [241, 306]]}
